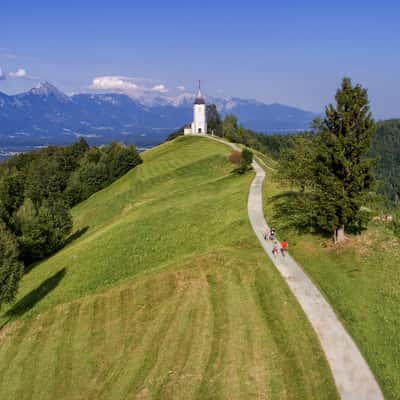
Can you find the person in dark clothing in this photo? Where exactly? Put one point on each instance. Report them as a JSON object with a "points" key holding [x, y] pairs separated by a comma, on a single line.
{"points": [[272, 234]]}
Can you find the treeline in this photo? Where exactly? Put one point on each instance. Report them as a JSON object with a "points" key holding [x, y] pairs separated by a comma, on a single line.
{"points": [[386, 148], [37, 190]]}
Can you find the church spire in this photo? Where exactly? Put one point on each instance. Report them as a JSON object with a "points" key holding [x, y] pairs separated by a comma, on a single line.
{"points": [[199, 98], [199, 91]]}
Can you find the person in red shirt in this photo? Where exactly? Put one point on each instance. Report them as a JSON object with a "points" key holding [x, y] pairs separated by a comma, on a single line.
{"points": [[284, 247]]}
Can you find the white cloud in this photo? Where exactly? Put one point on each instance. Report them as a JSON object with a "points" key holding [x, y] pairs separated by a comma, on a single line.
{"points": [[2, 75], [132, 86], [119, 83], [19, 73], [159, 88], [181, 88]]}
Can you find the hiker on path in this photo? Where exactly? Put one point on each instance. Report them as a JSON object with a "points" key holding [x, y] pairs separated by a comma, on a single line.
{"points": [[275, 249], [272, 234], [284, 247]]}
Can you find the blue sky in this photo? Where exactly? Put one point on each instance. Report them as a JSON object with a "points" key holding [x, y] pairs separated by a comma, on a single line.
{"points": [[292, 52]]}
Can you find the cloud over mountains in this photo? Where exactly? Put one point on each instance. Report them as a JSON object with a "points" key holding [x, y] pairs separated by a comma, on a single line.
{"points": [[19, 73], [132, 86]]}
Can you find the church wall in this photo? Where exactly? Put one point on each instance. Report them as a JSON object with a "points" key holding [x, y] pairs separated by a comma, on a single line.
{"points": [[200, 120]]}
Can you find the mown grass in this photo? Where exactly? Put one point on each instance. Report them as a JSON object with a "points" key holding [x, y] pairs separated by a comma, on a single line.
{"points": [[360, 279], [163, 294]]}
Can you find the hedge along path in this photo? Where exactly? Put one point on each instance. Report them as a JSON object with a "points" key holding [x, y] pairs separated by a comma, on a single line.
{"points": [[352, 375]]}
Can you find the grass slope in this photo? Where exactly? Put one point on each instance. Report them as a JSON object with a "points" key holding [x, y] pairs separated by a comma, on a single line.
{"points": [[164, 293], [361, 281]]}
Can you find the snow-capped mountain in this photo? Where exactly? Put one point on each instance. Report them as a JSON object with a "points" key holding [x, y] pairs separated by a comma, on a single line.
{"points": [[253, 114], [44, 114], [47, 90]]}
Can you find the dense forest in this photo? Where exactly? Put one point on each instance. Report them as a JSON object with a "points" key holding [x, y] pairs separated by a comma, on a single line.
{"points": [[386, 148], [37, 190]]}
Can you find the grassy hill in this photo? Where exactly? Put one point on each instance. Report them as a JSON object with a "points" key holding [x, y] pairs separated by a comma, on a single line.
{"points": [[360, 280], [162, 292]]}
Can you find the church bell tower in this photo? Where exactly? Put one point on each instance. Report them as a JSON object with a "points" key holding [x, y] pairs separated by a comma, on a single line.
{"points": [[199, 125]]}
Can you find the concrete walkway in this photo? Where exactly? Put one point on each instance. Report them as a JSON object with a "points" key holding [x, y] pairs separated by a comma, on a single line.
{"points": [[354, 380]]}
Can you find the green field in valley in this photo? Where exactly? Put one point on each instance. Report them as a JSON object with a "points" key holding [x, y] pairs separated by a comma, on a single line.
{"points": [[162, 292], [360, 279]]}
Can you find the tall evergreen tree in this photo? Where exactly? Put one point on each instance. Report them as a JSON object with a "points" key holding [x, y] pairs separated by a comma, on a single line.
{"points": [[343, 174], [296, 165]]}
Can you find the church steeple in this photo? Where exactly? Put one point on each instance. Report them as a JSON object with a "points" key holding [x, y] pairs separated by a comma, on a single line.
{"points": [[199, 124], [199, 98], [199, 91]]}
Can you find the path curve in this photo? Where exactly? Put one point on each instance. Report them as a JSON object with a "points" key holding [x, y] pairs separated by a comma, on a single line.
{"points": [[353, 377]]}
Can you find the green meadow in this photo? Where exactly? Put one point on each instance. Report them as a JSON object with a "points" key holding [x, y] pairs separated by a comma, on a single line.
{"points": [[162, 293], [360, 279]]}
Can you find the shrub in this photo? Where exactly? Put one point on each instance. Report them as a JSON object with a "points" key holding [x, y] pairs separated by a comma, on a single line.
{"points": [[242, 160], [236, 158], [247, 157]]}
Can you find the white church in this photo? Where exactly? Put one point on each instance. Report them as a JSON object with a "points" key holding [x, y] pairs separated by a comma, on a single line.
{"points": [[199, 124]]}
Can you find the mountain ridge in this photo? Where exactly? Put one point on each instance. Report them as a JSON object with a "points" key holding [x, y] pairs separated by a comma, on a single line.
{"points": [[44, 114]]}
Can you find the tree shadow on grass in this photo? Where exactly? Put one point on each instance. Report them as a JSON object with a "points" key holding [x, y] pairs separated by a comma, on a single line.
{"points": [[36, 295], [76, 235]]}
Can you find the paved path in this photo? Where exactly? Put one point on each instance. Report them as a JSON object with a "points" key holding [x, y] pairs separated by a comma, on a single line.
{"points": [[353, 378]]}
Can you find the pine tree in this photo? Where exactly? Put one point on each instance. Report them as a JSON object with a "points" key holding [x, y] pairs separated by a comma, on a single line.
{"points": [[296, 164], [343, 175]]}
